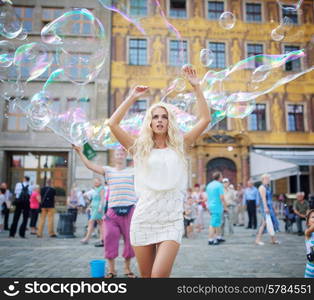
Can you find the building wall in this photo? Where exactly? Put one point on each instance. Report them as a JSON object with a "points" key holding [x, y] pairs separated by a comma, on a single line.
{"points": [[97, 91], [198, 30]]}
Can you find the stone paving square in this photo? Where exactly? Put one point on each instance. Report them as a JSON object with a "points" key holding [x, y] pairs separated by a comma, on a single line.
{"points": [[237, 257]]}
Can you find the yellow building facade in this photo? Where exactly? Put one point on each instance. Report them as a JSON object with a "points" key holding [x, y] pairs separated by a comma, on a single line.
{"points": [[285, 122]]}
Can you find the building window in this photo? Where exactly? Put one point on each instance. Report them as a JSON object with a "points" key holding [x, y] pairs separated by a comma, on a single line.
{"points": [[253, 12], [138, 8], [295, 117], [49, 14], [78, 66], [215, 9], [294, 65], [292, 14], [178, 9], [257, 119], [139, 106], [16, 119], [80, 25], [138, 52], [178, 53], [253, 50], [219, 51], [26, 16]]}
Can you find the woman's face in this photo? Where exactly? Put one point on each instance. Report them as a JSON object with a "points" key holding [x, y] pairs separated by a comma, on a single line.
{"points": [[159, 123], [266, 180]]}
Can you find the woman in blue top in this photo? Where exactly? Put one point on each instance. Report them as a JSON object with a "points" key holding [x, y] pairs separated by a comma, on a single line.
{"points": [[309, 243], [266, 207], [97, 209]]}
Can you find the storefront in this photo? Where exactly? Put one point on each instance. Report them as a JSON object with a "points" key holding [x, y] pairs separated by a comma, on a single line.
{"points": [[39, 166]]}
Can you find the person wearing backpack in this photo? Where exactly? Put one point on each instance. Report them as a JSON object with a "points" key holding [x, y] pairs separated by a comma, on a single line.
{"points": [[22, 192]]}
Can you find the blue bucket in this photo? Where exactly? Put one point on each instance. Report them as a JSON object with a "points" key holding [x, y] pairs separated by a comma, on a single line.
{"points": [[97, 268]]}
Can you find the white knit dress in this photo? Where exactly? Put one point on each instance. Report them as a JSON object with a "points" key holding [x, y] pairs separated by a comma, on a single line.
{"points": [[160, 187]]}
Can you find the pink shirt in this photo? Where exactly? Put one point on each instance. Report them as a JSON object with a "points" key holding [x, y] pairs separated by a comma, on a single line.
{"points": [[34, 203]]}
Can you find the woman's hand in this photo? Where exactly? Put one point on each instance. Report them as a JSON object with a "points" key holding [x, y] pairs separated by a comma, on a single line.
{"points": [[78, 149], [190, 74], [138, 91]]}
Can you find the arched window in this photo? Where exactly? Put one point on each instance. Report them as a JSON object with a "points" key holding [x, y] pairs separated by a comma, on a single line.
{"points": [[224, 165]]}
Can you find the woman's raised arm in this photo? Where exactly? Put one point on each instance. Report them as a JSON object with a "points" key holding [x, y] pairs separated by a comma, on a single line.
{"points": [[125, 139], [202, 107]]}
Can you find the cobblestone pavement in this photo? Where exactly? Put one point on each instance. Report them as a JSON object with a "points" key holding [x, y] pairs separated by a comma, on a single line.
{"points": [[237, 257]]}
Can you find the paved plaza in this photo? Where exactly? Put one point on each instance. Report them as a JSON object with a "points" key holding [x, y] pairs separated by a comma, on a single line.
{"points": [[237, 257]]}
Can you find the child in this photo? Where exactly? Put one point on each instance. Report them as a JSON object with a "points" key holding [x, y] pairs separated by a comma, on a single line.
{"points": [[309, 242]]}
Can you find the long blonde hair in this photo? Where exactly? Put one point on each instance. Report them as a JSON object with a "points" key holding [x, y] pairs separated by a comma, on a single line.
{"points": [[145, 141]]}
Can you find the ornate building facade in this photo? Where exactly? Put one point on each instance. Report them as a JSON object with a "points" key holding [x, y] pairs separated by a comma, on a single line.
{"points": [[282, 120]]}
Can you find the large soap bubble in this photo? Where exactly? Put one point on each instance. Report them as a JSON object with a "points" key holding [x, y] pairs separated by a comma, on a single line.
{"points": [[32, 60], [38, 112], [90, 45], [10, 25]]}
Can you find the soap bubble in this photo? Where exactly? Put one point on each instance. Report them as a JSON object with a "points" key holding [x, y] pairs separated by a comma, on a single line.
{"points": [[227, 20], [84, 66], [7, 50], [32, 60], [206, 57], [10, 25], [290, 4]]}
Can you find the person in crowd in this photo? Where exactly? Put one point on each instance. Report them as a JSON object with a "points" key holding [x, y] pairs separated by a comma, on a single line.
{"points": [[309, 244], [97, 209], [2, 201], [190, 211], [160, 176], [300, 208], [240, 207], [229, 196], [289, 217], [6, 205], [34, 205], [216, 205], [121, 203], [266, 199], [251, 201], [73, 201], [199, 200], [22, 192], [47, 194]]}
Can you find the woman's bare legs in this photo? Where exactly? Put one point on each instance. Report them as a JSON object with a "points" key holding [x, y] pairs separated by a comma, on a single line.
{"points": [[259, 235], [90, 230], [260, 232], [165, 256], [145, 256]]}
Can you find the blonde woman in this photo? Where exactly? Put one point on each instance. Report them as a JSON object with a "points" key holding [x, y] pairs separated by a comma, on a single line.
{"points": [[266, 203], [160, 178]]}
